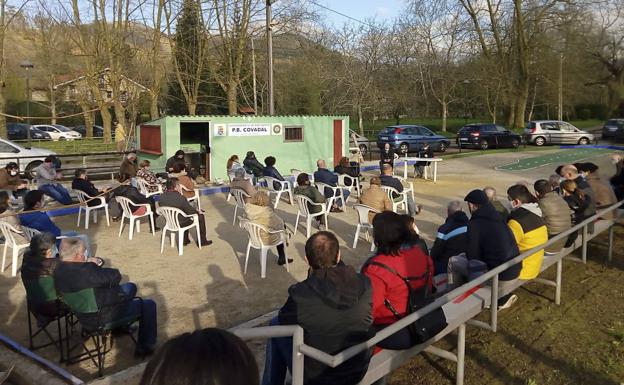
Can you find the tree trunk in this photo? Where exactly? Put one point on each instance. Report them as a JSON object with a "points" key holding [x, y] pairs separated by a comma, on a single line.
{"points": [[520, 103], [444, 114], [360, 120], [107, 120], [231, 98], [88, 119], [154, 113], [3, 127], [191, 105]]}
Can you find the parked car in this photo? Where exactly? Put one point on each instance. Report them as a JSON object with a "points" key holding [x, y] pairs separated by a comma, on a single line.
{"points": [[410, 138], [363, 143], [98, 131], [12, 152], [19, 131], [487, 135], [611, 126], [541, 132], [58, 132]]}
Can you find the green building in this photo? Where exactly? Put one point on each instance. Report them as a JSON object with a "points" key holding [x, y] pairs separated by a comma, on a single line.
{"points": [[295, 141]]}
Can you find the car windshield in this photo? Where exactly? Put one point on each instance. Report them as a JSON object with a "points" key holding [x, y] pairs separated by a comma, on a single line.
{"points": [[61, 128]]}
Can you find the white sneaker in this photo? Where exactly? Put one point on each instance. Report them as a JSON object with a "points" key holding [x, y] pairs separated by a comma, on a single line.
{"points": [[509, 302]]}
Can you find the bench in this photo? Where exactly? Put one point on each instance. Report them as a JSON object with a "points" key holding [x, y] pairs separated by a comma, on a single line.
{"points": [[460, 307]]}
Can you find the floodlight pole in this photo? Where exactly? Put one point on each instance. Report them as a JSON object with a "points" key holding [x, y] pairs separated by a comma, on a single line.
{"points": [[269, 37], [27, 66]]}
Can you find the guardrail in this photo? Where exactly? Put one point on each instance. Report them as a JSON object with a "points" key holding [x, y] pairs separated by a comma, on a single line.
{"points": [[300, 349]]}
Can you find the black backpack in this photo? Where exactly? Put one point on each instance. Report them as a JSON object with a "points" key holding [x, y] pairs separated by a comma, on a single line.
{"points": [[425, 327]]}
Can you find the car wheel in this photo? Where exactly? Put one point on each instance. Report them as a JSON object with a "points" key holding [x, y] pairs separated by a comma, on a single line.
{"points": [[539, 141], [515, 143], [483, 144], [442, 147], [404, 148], [30, 172], [583, 141], [62, 138], [363, 149]]}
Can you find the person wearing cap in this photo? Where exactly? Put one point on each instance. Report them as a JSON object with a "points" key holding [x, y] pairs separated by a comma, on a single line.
{"points": [[490, 244]]}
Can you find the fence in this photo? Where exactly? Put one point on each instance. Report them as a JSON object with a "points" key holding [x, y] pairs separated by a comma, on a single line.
{"points": [[300, 349]]}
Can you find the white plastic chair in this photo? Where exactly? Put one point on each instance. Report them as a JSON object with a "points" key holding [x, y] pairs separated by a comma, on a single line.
{"points": [[409, 189], [284, 188], [127, 213], [363, 224], [29, 233], [229, 195], [172, 219], [353, 183], [295, 173], [255, 232], [195, 198], [239, 201], [399, 201], [330, 202], [8, 232], [304, 211], [144, 187], [83, 198]]}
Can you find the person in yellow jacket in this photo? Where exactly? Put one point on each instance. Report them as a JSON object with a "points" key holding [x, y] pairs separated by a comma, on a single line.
{"points": [[528, 227], [120, 137]]}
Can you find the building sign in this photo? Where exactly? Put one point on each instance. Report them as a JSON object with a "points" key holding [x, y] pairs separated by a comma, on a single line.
{"points": [[249, 129], [220, 130]]}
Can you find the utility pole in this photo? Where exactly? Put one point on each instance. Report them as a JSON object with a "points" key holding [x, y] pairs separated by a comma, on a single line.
{"points": [[253, 70], [269, 37], [560, 110], [27, 65]]}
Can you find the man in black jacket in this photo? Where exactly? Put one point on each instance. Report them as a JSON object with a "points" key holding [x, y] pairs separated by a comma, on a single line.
{"points": [[425, 152], [83, 184], [178, 157], [333, 306], [76, 273], [252, 165], [490, 244], [173, 197], [452, 238], [387, 179]]}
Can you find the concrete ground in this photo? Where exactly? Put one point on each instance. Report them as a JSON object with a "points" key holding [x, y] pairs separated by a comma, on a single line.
{"points": [[208, 288]]}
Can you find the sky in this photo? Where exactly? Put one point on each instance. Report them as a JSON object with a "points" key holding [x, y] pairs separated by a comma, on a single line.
{"points": [[380, 10]]}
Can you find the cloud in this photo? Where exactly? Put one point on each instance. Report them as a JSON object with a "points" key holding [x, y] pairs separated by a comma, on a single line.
{"points": [[382, 12]]}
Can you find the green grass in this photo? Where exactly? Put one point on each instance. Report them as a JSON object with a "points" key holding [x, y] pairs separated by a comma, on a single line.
{"points": [[62, 147]]}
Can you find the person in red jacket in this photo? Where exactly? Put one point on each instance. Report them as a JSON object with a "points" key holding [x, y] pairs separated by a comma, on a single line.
{"points": [[391, 236]]}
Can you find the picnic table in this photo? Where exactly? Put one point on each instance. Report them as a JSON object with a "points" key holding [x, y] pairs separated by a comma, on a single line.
{"points": [[435, 161]]}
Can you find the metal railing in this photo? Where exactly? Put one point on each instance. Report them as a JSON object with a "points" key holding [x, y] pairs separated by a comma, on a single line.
{"points": [[300, 349]]}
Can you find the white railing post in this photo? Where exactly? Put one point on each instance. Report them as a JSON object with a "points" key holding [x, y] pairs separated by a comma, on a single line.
{"points": [[494, 304], [584, 247], [558, 282], [461, 350], [610, 252], [297, 358]]}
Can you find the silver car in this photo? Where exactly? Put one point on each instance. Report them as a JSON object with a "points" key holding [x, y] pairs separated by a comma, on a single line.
{"points": [[541, 132]]}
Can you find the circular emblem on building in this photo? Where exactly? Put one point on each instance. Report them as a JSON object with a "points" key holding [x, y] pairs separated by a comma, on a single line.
{"points": [[277, 129]]}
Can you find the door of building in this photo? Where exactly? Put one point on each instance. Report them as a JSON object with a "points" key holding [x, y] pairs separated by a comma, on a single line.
{"points": [[337, 141]]}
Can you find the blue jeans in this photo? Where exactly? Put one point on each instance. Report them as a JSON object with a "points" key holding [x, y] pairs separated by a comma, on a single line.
{"points": [[278, 358], [57, 192], [146, 310]]}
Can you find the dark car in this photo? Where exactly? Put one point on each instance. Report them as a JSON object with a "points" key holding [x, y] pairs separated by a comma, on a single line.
{"points": [[611, 127], [98, 131], [410, 138], [484, 136], [19, 131]]}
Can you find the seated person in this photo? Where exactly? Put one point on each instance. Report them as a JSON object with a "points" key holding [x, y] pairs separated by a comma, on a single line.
{"points": [[179, 172], [132, 193], [388, 180], [173, 197], [10, 181], [425, 152], [579, 204], [304, 187], [82, 183], [498, 205], [76, 273], [216, 356], [39, 220], [178, 157], [555, 181], [391, 234], [452, 238], [603, 191], [270, 171], [129, 166], [323, 175], [356, 159], [252, 165], [345, 168], [414, 238], [333, 306], [9, 216], [528, 228], [376, 198], [47, 177], [240, 181], [260, 211], [387, 156], [555, 213], [234, 164], [147, 175]]}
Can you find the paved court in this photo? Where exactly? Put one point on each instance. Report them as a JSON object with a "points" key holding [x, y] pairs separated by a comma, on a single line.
{"points": [[564, 156]]}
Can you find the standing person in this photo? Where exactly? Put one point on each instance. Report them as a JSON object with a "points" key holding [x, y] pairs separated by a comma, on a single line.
{"points": [[425, 152], [10, 181], [120, 137], [333, 306], [252, 165], [305, 188], [259, 211], [115, 301], [147, 175], [82, 183], [129, 166], [376, 198], [389, 290], [323, 175], [388, 180], [452, 237], [356, 159], [555, 213], [173, 197], [528, 228], [47, 181], [490, 244], [387, 156]]}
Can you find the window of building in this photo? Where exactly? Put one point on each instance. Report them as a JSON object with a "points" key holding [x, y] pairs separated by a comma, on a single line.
{"points": [[150, 140], [293, 134]]}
